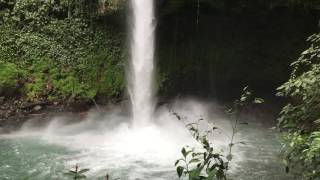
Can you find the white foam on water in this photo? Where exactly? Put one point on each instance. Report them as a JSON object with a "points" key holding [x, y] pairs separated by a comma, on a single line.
{"points": [[109, 144]]}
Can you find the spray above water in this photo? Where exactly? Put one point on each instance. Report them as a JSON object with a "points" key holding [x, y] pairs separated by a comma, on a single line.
{"points": [[142, 62], [108, 143]]}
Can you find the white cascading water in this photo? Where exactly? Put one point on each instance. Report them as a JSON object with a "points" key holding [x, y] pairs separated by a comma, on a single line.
{"points": [[108, 143], [105, 143], [142, 62]]}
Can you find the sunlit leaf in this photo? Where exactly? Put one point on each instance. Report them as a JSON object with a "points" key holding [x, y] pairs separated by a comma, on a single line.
{"points": [[194, 161], [184, 152], [177, 162], [258, 100], [68, 174], [83, 171]]}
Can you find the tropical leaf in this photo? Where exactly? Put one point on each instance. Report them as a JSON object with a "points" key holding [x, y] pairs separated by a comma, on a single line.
{"points": [[180, 170]]}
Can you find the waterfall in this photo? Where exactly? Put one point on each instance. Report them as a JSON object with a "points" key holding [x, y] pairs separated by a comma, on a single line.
{"points": [[140, 77]]}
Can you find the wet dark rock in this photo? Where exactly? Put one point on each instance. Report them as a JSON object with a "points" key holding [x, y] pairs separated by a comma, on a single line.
{"points": [[2, 130], [1, 100], [37, 108], [79, 105], [14, 112], [7, 114]]}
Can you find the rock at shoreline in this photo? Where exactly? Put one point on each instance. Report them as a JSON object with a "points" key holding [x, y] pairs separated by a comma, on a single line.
{"points": [[37, 108]]}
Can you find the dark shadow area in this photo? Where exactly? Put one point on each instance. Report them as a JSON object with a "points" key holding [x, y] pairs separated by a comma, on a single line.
{"points": [[227, 50]]}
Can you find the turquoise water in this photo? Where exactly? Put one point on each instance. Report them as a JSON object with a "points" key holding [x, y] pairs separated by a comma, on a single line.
{"points": [[145, 153], [37, 159], [30, 158]]}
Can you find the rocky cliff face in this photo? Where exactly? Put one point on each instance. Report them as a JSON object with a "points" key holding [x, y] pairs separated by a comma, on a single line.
{"points": [[223, 51]]}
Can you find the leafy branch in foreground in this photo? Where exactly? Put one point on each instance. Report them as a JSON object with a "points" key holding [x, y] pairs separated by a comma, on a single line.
{"points": [[205, 163], [299, 119], [77, 173], [235, 111]]}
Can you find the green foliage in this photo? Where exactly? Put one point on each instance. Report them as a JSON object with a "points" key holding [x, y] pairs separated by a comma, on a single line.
{"points": [[33, 11], [107, 72], [97, 76], [9, 75], [63, 56], [300, 118], [115, 4], [30, 13], [245, 100], [77, 173], [203, 164], [235, 111]]}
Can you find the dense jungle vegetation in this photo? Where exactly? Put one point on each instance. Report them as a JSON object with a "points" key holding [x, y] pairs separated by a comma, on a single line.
{"points": [[59, 50], [65, 50]]}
